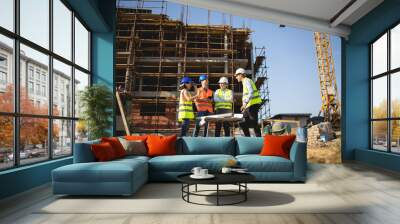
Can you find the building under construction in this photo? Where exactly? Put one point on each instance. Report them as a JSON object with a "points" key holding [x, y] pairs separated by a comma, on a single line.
{"points": [[154, 52]]}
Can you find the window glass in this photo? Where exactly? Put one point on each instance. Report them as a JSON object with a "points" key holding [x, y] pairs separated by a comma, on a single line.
{"points": [[62, 89], [395, 95], [81, 131], [379, 98], [395, 47], [395, 136], [35, 21], [6, 74], [81, 82], [81, 45], [62, 137], [39, 62], [379, 135], [379, 56], [62, 29], [7, 14], [6, 142], [33, 139]]}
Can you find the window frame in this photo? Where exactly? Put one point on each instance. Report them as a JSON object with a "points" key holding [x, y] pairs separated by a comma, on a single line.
{"points": [[16, 114], [388, 74]]}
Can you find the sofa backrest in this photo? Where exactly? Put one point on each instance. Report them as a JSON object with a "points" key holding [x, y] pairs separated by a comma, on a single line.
{"points": [[249, 145], [206, 145]]}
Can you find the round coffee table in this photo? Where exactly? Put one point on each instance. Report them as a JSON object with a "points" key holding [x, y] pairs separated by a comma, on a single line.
{"points": [[238, 179]]}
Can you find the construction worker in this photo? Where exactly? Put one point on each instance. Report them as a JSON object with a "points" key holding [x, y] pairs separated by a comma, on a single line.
{"points": [[203, 104], [185, 111], [223, 104], [251, 103]]}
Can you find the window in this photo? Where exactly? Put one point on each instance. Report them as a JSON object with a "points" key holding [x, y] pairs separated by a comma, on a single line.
{"points": [[30, 87], [81, 45], [45, 115], [35, 21], [62, 74], [7, 14], [152, 109], [62, 29], [6, 74], [385, 94]]}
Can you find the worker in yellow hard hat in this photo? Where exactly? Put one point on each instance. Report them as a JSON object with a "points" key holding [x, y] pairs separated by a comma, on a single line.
{"points": [[223, 100], [251, 103]]}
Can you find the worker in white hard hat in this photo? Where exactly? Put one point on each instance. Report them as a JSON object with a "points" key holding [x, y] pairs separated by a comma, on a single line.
{"points": [[223, 100], [251, 103]]}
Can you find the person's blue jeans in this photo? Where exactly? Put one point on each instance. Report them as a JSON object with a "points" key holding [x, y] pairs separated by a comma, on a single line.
{"points": [[197, 126], [185, 127]]}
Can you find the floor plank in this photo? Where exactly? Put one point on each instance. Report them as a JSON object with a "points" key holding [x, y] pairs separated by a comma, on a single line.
{"points": [[377, 191]]}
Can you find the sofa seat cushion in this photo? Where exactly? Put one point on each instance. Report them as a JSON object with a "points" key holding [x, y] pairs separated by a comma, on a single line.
{"points": [[185, 163], [257, 163], [112, 171]]}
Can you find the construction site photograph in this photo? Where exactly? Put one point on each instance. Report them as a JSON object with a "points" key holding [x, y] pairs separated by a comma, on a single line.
{"points": [[295, 72]]}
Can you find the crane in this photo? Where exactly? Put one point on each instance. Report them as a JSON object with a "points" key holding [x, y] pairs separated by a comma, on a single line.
{"points": [[330, 108]]}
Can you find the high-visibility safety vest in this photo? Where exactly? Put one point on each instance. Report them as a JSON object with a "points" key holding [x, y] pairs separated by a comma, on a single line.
{"points": [[185, 110], [204, 105], [227, 93], [255, 98]]}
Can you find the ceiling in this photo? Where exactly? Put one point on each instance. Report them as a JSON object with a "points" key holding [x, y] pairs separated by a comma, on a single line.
{"points": [[333, 16]]}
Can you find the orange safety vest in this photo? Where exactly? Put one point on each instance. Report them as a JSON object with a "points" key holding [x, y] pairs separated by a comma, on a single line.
{"points": [[204, 105]]}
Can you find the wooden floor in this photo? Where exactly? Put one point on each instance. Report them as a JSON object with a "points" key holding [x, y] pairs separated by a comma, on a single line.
{"points": [[379, 190]]}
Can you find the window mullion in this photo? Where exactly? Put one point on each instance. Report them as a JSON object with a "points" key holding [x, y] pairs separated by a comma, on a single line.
{"points": [[16, 85]]}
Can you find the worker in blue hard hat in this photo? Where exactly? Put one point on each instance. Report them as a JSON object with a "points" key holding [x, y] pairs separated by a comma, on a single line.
{"points": [[185, 111], [203, 104]]}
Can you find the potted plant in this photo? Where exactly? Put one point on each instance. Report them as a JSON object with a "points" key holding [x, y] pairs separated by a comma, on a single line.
{"points": [[96, 103]]}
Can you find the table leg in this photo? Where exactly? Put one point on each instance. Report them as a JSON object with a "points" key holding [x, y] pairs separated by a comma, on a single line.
{"points": [[217, 194], [195, 188]]}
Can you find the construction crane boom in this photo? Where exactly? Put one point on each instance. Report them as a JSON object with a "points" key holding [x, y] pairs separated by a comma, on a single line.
{"points": [[330, 108]]}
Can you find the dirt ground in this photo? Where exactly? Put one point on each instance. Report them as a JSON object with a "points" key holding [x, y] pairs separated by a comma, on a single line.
{"points": [[329, 152]]}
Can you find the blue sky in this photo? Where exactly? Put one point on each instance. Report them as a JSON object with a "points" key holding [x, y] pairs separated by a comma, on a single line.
{"points": [[291, 59]]}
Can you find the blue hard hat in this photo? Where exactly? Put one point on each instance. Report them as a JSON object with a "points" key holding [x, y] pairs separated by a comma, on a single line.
{"points": [[203, 77], [186, 80]]}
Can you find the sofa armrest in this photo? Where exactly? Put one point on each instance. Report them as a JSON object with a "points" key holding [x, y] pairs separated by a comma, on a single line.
{"points": [[83, 152], [298, 155]]}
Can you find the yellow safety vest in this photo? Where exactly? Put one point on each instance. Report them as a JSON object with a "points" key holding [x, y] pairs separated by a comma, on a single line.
{"points": [[255, 99], [185, 110], [223, 105]]}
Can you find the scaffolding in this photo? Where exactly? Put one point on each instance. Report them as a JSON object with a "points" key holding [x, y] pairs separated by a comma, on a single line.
{"points": [[154, 52], [262, 81]]}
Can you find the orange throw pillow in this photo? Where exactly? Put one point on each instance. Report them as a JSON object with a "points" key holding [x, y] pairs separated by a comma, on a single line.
{"points": [[277, 145], [103, 152], [116, 145], [161, 145]]}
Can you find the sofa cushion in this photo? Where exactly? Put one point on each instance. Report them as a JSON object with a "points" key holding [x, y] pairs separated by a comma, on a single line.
{"points": [[161, 145], [116, 145], [185, 163], [206, 145], [277, 145], [257, 163], [249, 145], [134, 147], [112, 171], [103, 152]]}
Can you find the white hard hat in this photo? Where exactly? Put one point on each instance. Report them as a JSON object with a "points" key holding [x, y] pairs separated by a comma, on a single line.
{"points": [[240, 71], [223, 80]]}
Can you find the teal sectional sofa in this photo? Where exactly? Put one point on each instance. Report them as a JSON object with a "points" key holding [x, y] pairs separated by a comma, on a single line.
{"points": [[125, 176]]}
